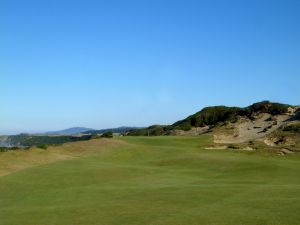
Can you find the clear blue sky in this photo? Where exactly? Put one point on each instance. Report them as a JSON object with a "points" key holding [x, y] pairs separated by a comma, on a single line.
{"points": [[111, 63]]}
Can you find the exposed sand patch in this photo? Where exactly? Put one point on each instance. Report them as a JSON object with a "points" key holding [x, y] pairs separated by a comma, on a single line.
{"points": [[245, 129], [286, 151]]}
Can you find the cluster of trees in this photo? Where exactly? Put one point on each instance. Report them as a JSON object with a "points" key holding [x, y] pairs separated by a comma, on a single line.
{"points": [[155, 130], [107, 134], [208, 116]]}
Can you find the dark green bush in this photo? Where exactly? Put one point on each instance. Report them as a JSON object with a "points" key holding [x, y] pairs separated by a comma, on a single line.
{"points": [[292, 128], [42, 146], [231, 146], [108, 134]]}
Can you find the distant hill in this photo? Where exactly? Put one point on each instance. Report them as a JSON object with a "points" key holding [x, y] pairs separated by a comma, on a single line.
{"points": [[69, 131]]}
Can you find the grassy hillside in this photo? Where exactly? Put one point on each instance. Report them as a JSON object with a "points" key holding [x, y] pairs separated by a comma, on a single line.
{"points": [[150, 180]]}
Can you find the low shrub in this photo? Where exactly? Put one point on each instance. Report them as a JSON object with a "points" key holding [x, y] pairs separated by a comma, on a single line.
{"points": [[42, 146]]}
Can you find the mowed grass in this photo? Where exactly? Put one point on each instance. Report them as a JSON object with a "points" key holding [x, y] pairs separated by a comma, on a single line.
{"points": [[153, 180]]}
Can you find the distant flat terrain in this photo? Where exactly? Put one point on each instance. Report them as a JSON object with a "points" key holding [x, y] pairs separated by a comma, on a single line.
{"points": [[148, 181]]}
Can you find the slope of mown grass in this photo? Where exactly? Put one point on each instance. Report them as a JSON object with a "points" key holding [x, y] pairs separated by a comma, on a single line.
{"points": [[157, 181]]}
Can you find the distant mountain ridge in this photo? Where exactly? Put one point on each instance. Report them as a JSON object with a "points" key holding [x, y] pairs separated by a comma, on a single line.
{"points": [[120, 130], [69, 131], [85, 130]]}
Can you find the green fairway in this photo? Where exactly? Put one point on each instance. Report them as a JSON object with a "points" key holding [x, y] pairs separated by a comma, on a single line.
{"points": [[154, 181]]}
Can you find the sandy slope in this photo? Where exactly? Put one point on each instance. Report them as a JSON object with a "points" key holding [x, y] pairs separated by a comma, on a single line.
{"points": [[246, 129]]}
